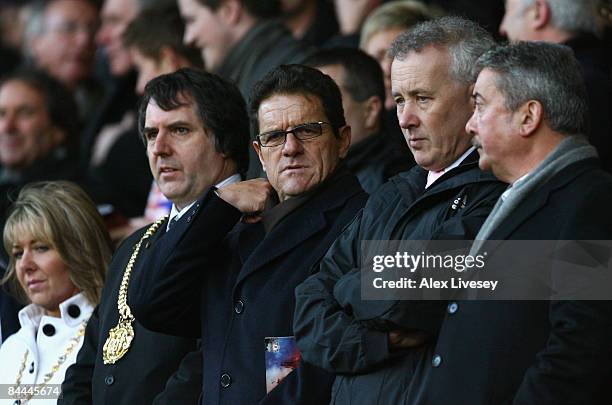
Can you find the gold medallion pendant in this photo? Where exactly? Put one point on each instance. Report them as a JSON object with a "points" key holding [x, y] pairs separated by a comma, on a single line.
{"points": [[121, 336], [118, 342]]}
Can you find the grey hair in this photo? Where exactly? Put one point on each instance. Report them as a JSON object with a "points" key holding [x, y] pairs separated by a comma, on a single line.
{"points": [[548, 73], [574, 16], [464, 39]]}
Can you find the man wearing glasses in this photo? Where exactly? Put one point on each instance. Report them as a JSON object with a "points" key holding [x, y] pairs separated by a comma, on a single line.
{"points": [[231, 283]]}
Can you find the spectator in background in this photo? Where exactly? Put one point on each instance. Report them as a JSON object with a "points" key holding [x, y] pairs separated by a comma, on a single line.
{"points": [[38, 130], [351, 14], [311, 21], [59, 252], [110, 142], [382, 27], [575, 24], [240, 40], [372, 156], [60, 41]]}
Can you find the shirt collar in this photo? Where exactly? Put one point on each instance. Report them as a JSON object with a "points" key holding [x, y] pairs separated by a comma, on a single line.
{"points": [[431, 174], [174, 212]]}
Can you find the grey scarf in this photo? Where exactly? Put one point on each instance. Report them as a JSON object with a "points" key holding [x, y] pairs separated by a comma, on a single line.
{"points": [[572, 149]]}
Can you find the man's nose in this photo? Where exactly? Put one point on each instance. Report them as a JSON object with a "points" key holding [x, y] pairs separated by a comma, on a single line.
{"points": [[470, 126], [160, 146], [292, 145], [407, 118], [8, 123]]}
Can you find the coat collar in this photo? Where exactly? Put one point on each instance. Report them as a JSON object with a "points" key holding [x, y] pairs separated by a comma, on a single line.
{"points": [[257, 249], [411, 184], [31, 315], [540, 197]]}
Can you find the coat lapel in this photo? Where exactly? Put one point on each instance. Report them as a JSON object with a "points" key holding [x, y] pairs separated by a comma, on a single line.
{"points": [[307, 221]]}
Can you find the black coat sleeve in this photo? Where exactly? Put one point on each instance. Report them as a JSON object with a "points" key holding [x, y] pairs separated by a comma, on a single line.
{"points": [[327, 334], [185, 385], [76, 388], [166, 297]]}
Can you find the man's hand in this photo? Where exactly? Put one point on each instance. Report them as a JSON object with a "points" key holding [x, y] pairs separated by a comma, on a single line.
{"points": [[249, 197], [400, 339]]}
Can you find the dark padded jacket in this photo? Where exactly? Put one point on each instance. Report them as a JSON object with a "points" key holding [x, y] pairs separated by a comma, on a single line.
{"points": [[338, 331]]}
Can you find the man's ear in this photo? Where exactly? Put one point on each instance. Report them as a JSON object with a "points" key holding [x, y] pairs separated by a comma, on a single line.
{"points": [[169, 60], [530, 117], [257, 148], [374, 106], [540, 14], [231, 11], [344, 142]]}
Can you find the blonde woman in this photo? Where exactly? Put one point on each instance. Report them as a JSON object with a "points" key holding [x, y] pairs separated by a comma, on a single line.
{"points": [[59, 250]]}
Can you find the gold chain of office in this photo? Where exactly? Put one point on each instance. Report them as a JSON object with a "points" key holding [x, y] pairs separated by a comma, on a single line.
{"points": [[73, 343], [120, 337]]}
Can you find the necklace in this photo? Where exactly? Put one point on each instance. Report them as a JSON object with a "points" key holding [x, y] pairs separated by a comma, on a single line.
{"points": [[74, 342], [120, 337]]}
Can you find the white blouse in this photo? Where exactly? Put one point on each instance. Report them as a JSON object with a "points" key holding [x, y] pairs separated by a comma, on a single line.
{"points": [[45, 339]]}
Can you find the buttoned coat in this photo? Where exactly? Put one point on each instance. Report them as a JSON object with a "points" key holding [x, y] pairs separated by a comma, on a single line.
{"points": [[238, 290], [152, 359], [532, 352], [45, 339]]}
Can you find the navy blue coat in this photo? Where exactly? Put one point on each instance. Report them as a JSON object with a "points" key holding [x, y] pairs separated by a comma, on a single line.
{"points": [[236, 287]]}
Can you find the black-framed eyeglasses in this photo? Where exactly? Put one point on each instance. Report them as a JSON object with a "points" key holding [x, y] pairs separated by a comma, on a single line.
{"points": [[302, 132]]}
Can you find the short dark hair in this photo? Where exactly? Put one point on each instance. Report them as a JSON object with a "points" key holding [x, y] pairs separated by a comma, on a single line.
{"points": [[168, 32], [257, 8], [548, 73], [301, 80], [59, 101], [363, 76], [219, 103]]}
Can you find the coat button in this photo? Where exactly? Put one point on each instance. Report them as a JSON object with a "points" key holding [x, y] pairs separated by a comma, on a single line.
{"points": [[452, 307], [239, 307], [109, 380], [31, 370], [48, 329], [74, 311], [436, 361], [226, 380]]}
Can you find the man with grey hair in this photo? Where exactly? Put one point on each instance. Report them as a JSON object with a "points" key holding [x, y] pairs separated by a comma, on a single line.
{"points": [[577, 25], [528, 123], [376, 345]]}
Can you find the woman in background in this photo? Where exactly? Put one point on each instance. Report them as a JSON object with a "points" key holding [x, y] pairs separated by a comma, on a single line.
{"points": [[59, 250]]}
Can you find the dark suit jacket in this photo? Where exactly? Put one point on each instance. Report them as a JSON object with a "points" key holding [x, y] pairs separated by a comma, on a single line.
{"points": [[244, 286], [142, 373], [533, 352]]}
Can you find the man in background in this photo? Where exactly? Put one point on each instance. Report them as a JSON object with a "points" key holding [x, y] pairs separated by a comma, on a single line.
{"points": [[576, 24], [373, 156]]}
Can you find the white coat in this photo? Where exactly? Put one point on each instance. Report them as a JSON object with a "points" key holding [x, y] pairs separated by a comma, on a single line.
{"points": [[45, 339]]}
